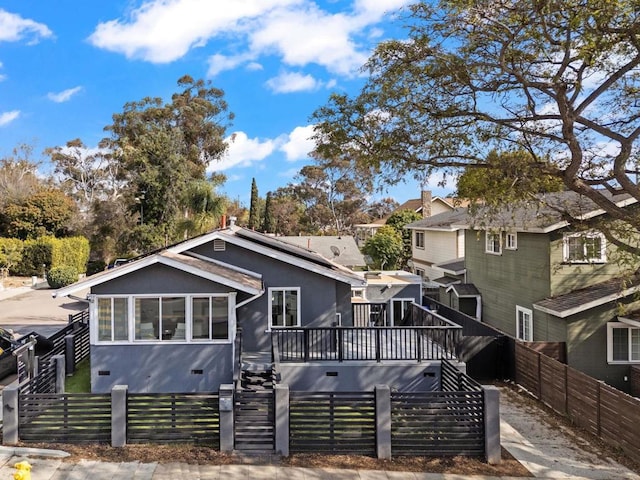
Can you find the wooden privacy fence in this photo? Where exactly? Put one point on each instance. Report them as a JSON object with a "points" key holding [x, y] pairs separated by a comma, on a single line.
{"points": [[604, 411]]}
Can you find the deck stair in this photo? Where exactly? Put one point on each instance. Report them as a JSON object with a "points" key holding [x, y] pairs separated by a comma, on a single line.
{"points": [[254, 405]]}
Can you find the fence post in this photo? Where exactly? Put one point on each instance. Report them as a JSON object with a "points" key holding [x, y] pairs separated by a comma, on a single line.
{"points": [[383, 421], [70, 354], [492, 424], [281, 393], [119, 415], [58, 362], [225, 408], [10, 414]]}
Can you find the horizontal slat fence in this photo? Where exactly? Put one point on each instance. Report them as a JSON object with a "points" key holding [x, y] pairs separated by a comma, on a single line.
{"points": [[168, 418], [602, 410], [453, 380], [65, 418], [437, 423], [332, 422]]}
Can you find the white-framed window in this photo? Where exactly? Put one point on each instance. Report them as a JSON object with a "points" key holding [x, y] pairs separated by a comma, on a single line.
{"points": [[584, 247], [399, 308], [158, 318], [358, 293], [113, 319], [524, 324], [493, 243], [284, 307], [511, 241], [419, 236], [420, 272], [623, 343]]}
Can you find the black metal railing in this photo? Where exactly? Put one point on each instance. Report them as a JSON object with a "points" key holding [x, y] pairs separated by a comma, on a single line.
{"points": [[373, 343]]}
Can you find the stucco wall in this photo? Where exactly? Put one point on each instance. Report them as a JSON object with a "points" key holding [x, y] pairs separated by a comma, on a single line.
{"points": [[361, 376], [161, 368]]}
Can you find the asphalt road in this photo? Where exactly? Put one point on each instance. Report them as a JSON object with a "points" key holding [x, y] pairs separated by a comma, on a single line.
{"points": [[25, 310]]}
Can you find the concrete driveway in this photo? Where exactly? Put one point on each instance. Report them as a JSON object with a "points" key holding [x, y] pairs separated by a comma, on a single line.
{"points": [[26, 309]]}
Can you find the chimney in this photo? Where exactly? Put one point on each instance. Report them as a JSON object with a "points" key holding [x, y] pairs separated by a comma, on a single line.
{"points": [[232, 221], [426, 203], [223, 221]]}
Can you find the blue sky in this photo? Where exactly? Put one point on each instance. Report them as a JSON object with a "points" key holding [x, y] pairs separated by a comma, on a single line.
{"points": [[67, 66]]}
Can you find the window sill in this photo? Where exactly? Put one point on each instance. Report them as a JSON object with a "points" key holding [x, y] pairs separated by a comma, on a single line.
{"points": [[103, 343]]}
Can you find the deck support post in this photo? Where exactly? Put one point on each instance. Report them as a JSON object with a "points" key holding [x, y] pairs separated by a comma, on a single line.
{"points": [[59, 365], [10, 414]]}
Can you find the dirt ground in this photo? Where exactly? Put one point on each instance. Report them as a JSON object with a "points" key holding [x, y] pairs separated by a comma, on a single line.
{"points": [[15, 282]]}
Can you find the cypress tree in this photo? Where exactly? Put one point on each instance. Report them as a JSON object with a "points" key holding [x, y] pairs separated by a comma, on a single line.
{"points": [[254, 214]]}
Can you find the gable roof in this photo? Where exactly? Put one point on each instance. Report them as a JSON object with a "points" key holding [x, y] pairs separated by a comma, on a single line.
{"points": [[443, 222], [464, 290], [563, 306], [543, 215], [339, 249], [274, 248], [453, 267], [218, 272]]}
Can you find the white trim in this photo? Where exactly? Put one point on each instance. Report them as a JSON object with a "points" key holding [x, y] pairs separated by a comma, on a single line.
{"points": [[529, 313], [204, 258], [270, 306], [588, 305], [391, 308], [590, 234], [620, 325], [188, 298], [487, 233], [417, 234], [513, 235], [229, 237], [157, 258]]}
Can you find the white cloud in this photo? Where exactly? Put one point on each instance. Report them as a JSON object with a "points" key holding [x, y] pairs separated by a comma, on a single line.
{"points": [[7, 117], [161, 31], [288, 82], [297, 31], [254, 66], [244, 151], [299, 144], [63, 96], [14, 28]]}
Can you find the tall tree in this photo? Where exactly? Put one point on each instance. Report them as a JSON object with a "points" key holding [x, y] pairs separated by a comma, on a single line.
{"points": [[558, 79], [162, 148], [254, 207], [268, 222], [204, 207], [397, 221], [18, 175], [385, 248]]}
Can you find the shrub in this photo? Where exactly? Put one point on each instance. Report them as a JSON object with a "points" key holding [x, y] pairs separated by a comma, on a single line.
{"points": [[35, 254], [59, 277]]}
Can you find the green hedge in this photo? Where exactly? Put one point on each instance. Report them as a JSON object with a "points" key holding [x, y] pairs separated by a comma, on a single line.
{"points": [[59, 277], [50, 252]]}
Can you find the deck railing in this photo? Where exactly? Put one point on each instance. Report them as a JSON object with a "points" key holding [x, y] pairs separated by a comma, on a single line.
{"points": [[360, 343]]}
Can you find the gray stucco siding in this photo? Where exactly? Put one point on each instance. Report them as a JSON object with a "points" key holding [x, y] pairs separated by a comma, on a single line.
{"points": [[175, 368], [514, 278], [159, 279], [360, 376]]}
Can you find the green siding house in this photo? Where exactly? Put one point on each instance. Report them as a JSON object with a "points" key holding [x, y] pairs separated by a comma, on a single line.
{"points": [[542, 279]]}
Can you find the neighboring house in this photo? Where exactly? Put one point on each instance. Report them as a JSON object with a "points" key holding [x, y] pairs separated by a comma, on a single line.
{"points": [[436, 242], [342, 250], [542, 280], [167, 321], [386, 298], [426, 205]]}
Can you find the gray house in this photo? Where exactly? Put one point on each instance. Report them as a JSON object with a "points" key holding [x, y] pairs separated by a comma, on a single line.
{"points": [[167, 322], [542, 279]]}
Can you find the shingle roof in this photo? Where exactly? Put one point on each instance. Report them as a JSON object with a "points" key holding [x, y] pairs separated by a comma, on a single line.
{"points": [[543, 215], [454, 267], [341, 250], [441, 221], [587, 298], [446, 280], [464, 289]]}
